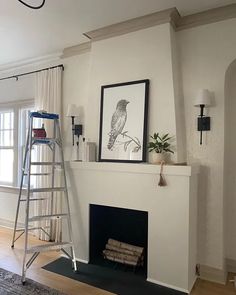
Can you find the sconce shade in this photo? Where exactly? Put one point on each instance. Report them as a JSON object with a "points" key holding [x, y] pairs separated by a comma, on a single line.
{"points": [[72, 111], [203, 98]]}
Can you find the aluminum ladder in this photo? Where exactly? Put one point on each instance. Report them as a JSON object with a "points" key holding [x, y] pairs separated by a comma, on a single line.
{"points": [[55, 145]]}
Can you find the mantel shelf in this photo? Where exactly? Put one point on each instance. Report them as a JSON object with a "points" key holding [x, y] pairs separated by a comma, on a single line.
{"points": [[140, 168]]}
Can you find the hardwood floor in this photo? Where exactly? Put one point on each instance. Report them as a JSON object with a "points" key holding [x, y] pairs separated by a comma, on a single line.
{"points": [[11, 259]]}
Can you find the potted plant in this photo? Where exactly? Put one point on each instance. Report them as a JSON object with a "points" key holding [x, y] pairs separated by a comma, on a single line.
{"points": [[160, 145]]}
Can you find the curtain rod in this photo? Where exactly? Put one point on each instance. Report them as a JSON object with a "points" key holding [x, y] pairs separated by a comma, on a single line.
{"points": [[32, 72]]}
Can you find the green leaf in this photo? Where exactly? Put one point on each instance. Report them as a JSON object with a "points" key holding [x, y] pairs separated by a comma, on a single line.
{"points": [[165, 136], [170, 151], [159, 137], [168, 138], [160, 143]]}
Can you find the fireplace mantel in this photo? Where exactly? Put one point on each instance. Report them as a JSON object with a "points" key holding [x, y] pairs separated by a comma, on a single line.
{"points": [[172, 212], [135, 168]]}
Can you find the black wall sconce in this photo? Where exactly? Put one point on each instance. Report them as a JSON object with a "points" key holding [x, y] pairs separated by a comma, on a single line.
{"points": [[203, 100], [77, 129]]}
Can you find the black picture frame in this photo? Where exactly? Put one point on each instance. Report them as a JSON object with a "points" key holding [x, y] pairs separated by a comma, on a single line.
{"points": [[123, 122]]}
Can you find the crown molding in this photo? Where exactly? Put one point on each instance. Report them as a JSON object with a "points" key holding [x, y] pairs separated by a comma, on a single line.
{"points": [[171, 16], [206, 17], [76, 50], [161, 17]]}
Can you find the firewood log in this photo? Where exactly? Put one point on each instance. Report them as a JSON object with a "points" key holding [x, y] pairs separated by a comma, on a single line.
{"points": [[121, 261], [122, 250], [122, 258], [125, 246]]}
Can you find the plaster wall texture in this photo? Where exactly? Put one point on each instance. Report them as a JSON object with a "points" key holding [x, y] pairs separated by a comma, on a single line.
{"points": [[145, 54], [206, 53]]}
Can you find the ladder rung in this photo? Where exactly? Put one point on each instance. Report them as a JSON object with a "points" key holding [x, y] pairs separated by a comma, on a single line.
{"points": [[46, 140], [38, 174], [52, 216], [51, 247], [31, 228], [44, 115], [34, 199], [46, 163], [47, 189]]}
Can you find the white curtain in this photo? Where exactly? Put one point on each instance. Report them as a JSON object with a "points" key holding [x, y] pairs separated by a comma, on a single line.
{"points": [[48, 92]]}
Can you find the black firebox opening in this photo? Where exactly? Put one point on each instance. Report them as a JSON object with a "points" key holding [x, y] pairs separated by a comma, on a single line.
{"points": [[125, 225]]}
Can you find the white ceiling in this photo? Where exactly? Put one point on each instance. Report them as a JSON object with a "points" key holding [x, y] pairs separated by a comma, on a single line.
{"points": [[26, 33]]}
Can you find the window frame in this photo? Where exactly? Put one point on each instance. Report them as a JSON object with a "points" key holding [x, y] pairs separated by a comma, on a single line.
{"points": [[15, 106]]}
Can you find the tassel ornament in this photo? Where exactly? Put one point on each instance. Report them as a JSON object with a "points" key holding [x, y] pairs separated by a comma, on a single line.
{"points": [[162, 181]]}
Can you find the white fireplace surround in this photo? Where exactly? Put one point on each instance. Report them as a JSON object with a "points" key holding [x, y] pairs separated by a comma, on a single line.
{"points": [[172, 212]]}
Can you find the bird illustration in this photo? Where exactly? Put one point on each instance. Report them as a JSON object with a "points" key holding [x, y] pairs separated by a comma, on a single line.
{"points": [[118, 121]]}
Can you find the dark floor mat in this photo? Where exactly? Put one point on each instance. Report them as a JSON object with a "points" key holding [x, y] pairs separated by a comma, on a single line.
{"points": [[115, 281]]}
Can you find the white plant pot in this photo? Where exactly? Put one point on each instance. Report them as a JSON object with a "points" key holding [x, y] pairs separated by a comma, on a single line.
{"points": [[157, 158]]}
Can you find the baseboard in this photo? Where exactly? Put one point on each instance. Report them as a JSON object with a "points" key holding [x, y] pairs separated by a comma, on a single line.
{"points": [[230, 265], [213, 274], [167, 285], [9, 223], [192, 284]]}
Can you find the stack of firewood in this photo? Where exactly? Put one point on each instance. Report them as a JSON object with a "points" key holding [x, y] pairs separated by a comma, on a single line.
{"points": [[123, 253]]}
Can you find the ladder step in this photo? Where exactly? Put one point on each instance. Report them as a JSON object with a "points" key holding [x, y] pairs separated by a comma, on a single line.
{"points": [[38, 174], [49, 247], [46, 163], [52, 216], [34, 199], [46, 140], [47, 189], [32, 228], [43, 115]]}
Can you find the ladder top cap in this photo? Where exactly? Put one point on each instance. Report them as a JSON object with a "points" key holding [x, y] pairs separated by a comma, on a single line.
{"points": [[42, 115]]}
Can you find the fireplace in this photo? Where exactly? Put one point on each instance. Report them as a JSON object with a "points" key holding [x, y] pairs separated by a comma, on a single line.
{"points": [[171, 211], [124, 225]]}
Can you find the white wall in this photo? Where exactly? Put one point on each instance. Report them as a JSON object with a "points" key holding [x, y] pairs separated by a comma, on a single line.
{"points": [[145, 54], [12, 90], [75, 91], [206, 53], [8, 203], [179, 98], [203, 61], [230, 162]]}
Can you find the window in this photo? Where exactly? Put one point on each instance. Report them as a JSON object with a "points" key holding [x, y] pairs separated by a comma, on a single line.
{"points": [[6, 146], [13, 132]]}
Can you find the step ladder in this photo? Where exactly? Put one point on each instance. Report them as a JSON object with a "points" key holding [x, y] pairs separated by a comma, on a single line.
{"points": [[33, 195]]}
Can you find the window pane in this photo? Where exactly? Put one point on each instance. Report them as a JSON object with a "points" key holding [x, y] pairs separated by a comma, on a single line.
{"points": [[6, 138], [6, 128], [6, 120], [6, 165]]}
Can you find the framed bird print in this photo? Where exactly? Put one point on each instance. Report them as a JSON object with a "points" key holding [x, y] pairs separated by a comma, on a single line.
{"points": [[123, 122]]}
